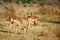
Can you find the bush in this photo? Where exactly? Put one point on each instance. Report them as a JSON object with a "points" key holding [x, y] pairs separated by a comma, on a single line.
{"points": [[27, 1], [7, 0], [24, 1], [42, 2]]}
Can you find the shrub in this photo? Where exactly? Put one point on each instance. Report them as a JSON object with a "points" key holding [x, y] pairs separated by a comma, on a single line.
{"points": [[7, 0], [42, 2], [27, 1]]}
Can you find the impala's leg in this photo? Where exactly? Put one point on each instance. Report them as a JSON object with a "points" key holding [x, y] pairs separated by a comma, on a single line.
{"points": [[25, 30], [35, 23], [18, 24], [10, 24], [28, 26], [17, 28]]}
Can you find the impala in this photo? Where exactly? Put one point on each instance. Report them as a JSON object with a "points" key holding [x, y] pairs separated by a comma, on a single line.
{"points": [[16, 19], [32, 19]]}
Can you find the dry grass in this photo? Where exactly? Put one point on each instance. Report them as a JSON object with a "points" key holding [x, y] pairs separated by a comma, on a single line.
{"points": [[46, 23]]}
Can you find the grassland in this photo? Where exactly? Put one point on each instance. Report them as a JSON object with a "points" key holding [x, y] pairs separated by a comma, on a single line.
{"points": [[48, 22]]}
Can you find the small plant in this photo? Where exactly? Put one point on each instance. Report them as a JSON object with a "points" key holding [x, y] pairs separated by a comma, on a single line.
{"points": [[27, 1], [24, 1], [42, 2], [7, 0]]}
